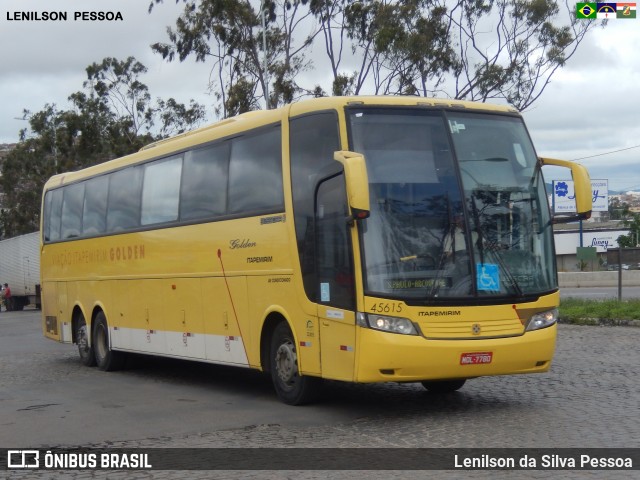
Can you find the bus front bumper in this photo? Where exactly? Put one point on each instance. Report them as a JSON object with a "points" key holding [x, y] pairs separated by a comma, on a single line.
{"points": [[387, 357]]}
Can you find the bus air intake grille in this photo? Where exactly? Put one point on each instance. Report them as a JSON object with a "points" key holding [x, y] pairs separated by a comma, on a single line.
{"points": [[472, 329]]}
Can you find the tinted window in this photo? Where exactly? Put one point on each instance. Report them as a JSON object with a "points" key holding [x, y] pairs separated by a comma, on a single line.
{"points": [[204, 182], [123, 211], [46, 221], [161, 191], [73, 199], [94, 216], [333, 250], [255, 173], [54, 214], [313, 140]]}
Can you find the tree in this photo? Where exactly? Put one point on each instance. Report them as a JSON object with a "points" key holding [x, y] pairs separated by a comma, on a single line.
{"points": [[117, 88], [632, 222], [465, 49], [113, 117], [116, 84], [328, 14], [510, 49], [618, 210], [22, 180], [230, 34], [474, 50], [408, 44]]}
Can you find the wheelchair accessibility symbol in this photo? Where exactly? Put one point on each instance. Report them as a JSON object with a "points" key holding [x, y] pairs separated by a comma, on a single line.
{"points": [[487, 277]]}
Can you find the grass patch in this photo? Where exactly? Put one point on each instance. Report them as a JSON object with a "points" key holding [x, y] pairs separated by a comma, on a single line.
{"points": [[592, 312]]}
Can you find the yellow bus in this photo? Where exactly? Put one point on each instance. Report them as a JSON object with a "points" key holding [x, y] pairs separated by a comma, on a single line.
{"points": [[361, 239]]}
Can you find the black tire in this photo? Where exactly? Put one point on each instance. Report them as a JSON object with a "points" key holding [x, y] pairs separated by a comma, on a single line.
{"points": [[107, 360], [291, 387], [85, 350], [443, 386]]}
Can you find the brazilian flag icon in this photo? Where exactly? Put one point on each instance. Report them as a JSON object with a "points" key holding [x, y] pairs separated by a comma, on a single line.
{"points": [[586, 10]]}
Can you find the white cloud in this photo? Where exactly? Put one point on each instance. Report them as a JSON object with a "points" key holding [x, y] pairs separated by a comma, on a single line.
{"points": [[44, 62], [591, 106]]}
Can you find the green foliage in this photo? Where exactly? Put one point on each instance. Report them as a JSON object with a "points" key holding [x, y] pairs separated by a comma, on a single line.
{"points": [[116, 85], [632, 222], [241, 98], [23, 176], [618, 210], [229, 33], [343, 85], [113, 117], [579, 311], [474, 50], [582, 265]]}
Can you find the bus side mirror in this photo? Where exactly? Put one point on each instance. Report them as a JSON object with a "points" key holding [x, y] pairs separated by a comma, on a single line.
{"points": [[357, 180], [582, 189]]}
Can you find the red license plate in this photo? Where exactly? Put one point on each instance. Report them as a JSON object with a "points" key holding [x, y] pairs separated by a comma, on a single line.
{"points": [[476, 358]]}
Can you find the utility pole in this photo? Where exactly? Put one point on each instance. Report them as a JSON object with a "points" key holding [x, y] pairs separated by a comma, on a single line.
{"points": [[55, 139]]}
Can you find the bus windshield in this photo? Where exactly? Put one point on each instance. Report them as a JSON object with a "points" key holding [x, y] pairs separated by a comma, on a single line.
{"points": [[458, 206]]}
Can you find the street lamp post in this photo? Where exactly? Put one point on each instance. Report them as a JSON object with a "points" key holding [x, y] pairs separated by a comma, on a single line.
{"points": [[265, 67]]}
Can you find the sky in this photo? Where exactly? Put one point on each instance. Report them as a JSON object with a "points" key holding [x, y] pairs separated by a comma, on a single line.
{"points": [[590, 109]]}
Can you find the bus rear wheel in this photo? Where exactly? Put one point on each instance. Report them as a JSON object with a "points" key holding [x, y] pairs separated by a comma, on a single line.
{"points": [[291, 387], [443, 386], [85, 350], [107, 360]]}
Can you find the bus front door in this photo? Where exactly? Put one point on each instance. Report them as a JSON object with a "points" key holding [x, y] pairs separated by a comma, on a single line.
{"points": [[336, 290]]}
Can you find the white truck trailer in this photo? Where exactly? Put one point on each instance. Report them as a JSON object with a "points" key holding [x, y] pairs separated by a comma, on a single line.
{"points": [[20, 268]]}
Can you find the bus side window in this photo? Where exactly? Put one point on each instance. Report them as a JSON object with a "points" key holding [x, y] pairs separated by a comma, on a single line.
{"points": [[255, 173], [53, 215], [73, 199], [94, 215], [161, 191], [204, 182], [123, 209]]}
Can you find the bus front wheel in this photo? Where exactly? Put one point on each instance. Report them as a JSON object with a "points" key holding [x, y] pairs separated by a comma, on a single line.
{"points": [[443, 386], [85, 350], [291, 387], [107, 360]]}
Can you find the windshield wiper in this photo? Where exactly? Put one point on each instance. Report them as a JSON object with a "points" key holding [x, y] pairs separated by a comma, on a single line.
{"points": [[493, 249], [435, 285], [488, 159]]}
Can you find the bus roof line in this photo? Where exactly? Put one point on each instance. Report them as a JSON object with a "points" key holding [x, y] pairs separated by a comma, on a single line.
{"points": [[189, 133], [226, 121]]}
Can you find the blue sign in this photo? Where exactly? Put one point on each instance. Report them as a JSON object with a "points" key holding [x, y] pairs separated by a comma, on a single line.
{"points": [[564, 198], [487, 277]]}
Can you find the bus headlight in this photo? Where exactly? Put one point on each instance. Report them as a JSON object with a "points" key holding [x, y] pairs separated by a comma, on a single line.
{"points": [[386, 324], [543, 320]]}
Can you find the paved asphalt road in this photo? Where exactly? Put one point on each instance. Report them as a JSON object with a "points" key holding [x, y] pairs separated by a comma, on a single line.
{"points": [[589, 399]]}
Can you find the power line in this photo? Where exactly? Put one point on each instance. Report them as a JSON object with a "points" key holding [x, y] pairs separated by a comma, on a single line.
{"points": [[607, 153]]}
